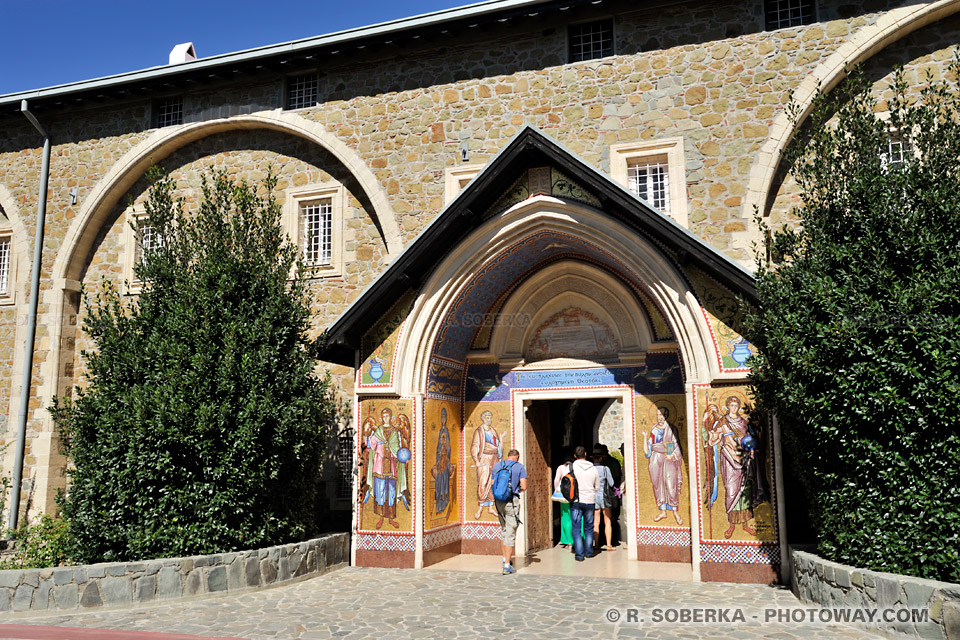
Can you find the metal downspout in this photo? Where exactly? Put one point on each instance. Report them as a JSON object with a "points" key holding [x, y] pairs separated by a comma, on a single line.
{"points": [[31, 323]]}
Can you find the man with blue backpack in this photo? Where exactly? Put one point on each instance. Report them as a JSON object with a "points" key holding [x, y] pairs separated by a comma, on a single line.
{"points": [[509, 479]]}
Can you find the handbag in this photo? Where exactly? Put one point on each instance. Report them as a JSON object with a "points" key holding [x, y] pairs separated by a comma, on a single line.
{"points": [[558, 497]]}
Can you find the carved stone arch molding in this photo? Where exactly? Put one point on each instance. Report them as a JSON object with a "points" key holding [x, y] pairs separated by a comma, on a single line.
{"points": [[634, 255], [106, 193], [21, 238], [889, 28], [570, 285], [21, 262]]}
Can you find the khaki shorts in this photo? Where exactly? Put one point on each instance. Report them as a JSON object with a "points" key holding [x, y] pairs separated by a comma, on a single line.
{"points": [[509, 514]]}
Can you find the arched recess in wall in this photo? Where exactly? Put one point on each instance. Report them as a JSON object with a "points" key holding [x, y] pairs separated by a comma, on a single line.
{"points": [[889, 28], [458, 273], [21, 238], [131, 167], [20, 261]]}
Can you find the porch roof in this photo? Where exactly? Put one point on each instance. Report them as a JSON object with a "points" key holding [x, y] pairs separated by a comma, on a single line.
{"points": [[529, 148]]}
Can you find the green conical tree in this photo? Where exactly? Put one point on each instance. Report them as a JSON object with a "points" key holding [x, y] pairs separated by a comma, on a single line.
{"points": [[203, 425]]}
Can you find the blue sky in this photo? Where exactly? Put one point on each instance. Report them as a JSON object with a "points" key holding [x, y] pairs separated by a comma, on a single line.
{"points": [[51, 42]]}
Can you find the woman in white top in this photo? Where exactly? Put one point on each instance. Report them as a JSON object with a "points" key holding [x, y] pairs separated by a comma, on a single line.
{"points": [[566, 525]]}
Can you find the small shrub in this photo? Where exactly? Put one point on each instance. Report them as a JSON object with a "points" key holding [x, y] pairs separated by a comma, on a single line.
{"points": [[44, 543]]}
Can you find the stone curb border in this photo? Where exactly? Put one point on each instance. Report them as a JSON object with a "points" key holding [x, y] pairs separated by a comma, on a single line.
{"points": [[831, 584], [124, 584]]}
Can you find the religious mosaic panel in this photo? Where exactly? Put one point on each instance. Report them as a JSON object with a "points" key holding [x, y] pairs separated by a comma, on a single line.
{"points": [[735, 468], [486, 441], [386, 465], [663, 474], [724, 316], [380, 343], [442, 437]]}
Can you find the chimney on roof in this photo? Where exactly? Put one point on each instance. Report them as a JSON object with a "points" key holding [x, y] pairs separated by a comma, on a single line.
{"points": [[183, 53]]}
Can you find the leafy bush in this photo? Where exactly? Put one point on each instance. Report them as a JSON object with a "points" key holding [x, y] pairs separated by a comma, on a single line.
{"points": [[202, 428], [857, 328], [45, 543]]}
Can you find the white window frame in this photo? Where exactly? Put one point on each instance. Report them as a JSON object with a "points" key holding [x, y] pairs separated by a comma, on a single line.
{"points": [[9, 296], [131, 252], [294, 200], [622, 156], [455, 179], [907, 153]]}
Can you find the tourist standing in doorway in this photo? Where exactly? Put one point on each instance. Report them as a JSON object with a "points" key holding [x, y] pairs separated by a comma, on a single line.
{"points": [[604, 500], [581, 512]]}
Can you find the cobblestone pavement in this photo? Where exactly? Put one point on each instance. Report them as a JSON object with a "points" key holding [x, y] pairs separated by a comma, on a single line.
{"points": [[358, 602]]}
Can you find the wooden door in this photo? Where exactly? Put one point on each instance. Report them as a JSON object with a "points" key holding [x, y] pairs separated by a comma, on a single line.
{"points": [[539, 515]]}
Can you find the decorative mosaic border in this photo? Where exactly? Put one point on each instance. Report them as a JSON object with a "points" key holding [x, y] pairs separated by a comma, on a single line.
{"points": [[441, 537], [480, 531], [665, 537], [433, 395], [380, 542], [741, 554]]}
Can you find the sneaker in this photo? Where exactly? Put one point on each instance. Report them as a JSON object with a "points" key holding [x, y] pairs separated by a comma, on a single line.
{"points": [[580, 559], [508, 569]]}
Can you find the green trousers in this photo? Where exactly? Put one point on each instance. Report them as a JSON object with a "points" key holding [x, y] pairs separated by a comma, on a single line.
{"points": [[566, 524]]}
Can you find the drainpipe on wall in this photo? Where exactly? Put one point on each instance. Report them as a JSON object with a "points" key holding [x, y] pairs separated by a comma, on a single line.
{"points": [[31, 323]]}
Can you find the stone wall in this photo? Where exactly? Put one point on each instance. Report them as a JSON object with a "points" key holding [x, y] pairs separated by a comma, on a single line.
{"points": [[610, 430], [831, 584], [703, 71], [124, 584]]}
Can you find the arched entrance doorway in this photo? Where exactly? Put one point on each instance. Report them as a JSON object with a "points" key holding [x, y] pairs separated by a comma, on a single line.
{"points": [[562, 290]]}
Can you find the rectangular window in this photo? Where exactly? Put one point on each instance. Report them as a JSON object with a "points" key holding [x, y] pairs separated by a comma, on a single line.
{"points": [[898, 151], [788, 13], [5, 249], [302, 91], [169, 112], [316, 221], [649, 178], [655, 171], [591, 40], [149, 241]]}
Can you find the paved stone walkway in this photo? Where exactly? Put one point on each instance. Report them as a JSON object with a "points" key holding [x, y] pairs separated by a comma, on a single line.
{"points": [[360, 602]]}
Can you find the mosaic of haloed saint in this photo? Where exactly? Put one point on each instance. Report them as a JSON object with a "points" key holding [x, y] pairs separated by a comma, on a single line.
{"points": [[443, 453], [735, 467], [487, 440], [386, 474], [662, 468]]}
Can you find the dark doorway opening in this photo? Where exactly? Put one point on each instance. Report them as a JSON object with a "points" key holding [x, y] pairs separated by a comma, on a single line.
{"points": [[554, 429]]}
